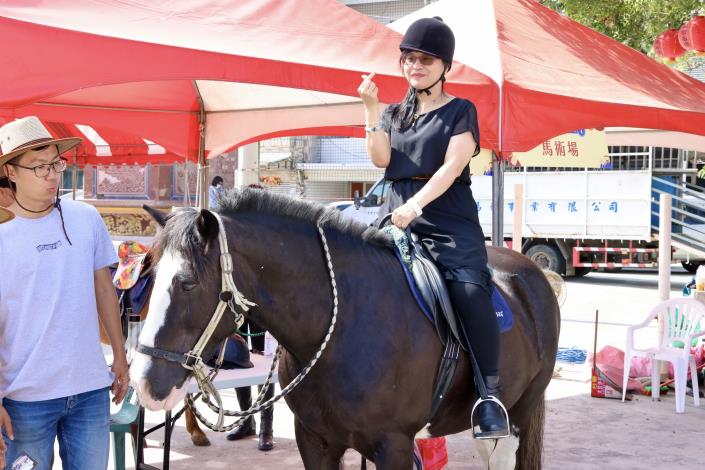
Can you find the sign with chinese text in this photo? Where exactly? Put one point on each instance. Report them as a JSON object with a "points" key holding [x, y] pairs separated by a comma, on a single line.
{"points": [[573, 204], [586, 148]]}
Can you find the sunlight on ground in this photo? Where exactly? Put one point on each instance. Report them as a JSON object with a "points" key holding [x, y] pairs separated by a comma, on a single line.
{"points": [[570, 383]]}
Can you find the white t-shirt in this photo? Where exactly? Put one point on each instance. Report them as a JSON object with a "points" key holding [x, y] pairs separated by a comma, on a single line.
{"points": [[49, 336]]}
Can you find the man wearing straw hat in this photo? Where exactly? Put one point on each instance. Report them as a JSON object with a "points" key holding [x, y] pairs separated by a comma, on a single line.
{"points": [[54, 289]]}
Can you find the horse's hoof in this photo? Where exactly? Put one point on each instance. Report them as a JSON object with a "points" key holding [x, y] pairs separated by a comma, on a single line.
{"points": [[200, 440]]}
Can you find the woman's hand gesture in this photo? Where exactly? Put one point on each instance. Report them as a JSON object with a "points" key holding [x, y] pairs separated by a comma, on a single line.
{"points": [[368, 90]]}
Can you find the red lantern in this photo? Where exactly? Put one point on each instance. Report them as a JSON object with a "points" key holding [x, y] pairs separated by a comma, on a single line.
{"points": [[667, 45], [683, 36], [692, 35]]}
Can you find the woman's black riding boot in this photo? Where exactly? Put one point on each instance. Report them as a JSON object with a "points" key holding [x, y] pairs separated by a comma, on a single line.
{"points": [[491, 421], [480, 333], [266, 439], [247, 428]]}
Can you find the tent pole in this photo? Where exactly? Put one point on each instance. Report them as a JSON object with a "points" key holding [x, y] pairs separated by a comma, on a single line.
{"points": [[74, 174], [498, 180], [187, 189], [497, 200], [202, 196]]}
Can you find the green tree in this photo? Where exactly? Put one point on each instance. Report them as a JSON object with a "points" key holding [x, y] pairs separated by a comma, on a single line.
{"points": [[635, 23]]}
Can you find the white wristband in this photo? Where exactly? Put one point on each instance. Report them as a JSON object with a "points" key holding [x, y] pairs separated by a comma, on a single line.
{"points": [[415, 205]]}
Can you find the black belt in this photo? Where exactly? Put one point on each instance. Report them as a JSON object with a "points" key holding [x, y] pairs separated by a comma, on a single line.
{"points": [[426, 178]]}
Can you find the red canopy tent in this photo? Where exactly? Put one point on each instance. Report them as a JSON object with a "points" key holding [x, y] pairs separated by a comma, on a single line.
{"points": [[155, 69], [167, 70], [104, 146], [147, 69], [200, 78], [555, 75]]}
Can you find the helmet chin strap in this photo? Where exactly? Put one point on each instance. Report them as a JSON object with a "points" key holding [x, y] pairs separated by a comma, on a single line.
{"points": [[427, 90]]}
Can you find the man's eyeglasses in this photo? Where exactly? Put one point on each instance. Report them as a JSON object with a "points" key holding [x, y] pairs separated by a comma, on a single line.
{"points": [[42, 171], [425, 60]]}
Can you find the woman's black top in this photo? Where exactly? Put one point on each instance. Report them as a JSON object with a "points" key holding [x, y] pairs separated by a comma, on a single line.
{"points": [[449, 225]]}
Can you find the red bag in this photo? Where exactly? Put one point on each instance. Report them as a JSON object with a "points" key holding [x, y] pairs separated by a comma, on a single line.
{"points": [[433, 452]]}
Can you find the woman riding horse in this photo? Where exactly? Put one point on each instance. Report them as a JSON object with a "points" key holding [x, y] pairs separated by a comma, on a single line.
{"points": [[425, 144]]}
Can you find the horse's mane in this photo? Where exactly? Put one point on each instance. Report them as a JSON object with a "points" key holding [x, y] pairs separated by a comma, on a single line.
{"points": [[182, 235], [256, 201]]}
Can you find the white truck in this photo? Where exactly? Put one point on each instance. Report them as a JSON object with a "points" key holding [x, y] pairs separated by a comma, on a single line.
{"points": [[575, 221]]}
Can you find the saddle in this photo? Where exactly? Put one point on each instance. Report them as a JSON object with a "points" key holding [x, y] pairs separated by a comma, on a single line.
{"points": [[132, 277], [428, 287]]}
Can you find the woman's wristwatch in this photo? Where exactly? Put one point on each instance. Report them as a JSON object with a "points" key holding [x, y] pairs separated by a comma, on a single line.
{"points": [[375, 128], [415, 205]]}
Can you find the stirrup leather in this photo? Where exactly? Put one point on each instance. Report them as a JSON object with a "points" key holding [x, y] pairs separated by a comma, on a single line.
{"points": [[480, 400]]}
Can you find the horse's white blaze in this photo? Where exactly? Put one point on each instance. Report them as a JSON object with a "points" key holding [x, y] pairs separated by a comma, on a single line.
{"points": [[169, 265], [423, 433], [498, 454]]}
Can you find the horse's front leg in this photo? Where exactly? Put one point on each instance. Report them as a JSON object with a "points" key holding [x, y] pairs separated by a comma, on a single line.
{"points": [[315, 452], [395, 452], [198, 437]]}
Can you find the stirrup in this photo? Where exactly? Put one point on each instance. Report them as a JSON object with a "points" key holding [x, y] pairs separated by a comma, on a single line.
{"points": [[479, 435]]}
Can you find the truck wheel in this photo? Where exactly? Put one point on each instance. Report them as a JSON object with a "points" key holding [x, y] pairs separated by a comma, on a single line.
{"points": [[691, 266], [547, 257], [582, 271]]}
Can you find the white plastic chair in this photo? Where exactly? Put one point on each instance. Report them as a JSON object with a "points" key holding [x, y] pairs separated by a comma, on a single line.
{"points": [[680, 318]]}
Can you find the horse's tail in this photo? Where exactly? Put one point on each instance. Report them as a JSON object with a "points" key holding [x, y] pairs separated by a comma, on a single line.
{"points": [[531, 439]]}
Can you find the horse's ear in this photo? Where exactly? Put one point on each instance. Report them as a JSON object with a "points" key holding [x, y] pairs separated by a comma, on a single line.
{"points": [[207, 226], [158, 216]]}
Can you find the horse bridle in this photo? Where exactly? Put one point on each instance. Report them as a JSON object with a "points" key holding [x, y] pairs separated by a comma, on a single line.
{"points": [[229, 297]]}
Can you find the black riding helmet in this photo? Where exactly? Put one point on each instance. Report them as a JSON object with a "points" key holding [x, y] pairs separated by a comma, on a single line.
{"points": [[430, 36]]}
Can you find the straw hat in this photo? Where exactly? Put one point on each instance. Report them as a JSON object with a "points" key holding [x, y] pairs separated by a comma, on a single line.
{"points": [[5, 215], [24, 134]]}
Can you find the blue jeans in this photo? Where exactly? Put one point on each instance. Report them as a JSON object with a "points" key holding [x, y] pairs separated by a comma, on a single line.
{"points": [[80, 422]]}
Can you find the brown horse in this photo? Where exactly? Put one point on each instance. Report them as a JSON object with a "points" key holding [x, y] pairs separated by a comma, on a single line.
{"points": [[198, 437], [371, 390]]}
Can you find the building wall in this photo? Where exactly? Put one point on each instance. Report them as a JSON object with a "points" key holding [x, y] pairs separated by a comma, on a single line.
{"points": [[326, 191]]}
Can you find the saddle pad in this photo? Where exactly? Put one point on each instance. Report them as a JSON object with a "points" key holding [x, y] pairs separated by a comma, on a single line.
{"points": [[139, 293], [505, 317]]}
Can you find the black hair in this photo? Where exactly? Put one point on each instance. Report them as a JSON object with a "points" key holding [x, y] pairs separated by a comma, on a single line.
{"points": [[217, 180], [402, 113]]}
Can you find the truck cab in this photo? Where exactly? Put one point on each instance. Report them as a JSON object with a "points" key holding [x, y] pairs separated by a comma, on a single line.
{"points": [[365, 208]]}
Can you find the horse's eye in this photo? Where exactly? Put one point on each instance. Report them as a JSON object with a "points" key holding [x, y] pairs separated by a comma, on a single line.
{"points": [[188, 285]]}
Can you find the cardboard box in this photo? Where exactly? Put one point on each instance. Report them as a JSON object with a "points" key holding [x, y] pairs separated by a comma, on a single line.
{"points": [[602, 387]]}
